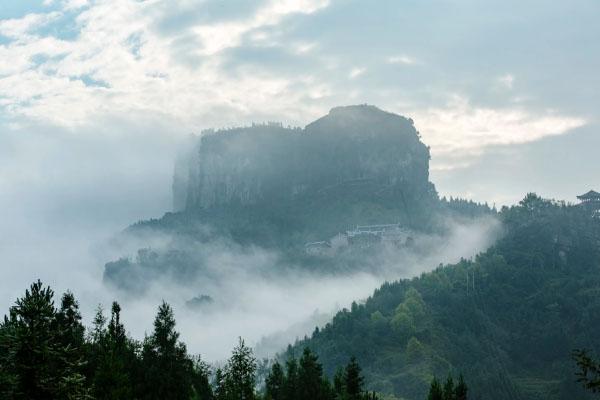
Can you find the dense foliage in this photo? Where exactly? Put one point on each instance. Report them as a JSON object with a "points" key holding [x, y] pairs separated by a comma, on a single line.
{"points": [[508, 319], [45, 353]]}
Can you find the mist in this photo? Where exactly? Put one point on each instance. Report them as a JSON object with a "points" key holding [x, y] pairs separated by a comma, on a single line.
{"points": [[66, 197]]}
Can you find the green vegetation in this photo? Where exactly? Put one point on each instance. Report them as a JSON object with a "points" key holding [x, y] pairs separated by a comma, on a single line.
{"points": [[45, 353], [508, 319], [588, 373]]}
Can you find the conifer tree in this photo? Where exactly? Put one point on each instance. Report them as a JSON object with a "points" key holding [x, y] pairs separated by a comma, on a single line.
{"points": [[112, 356], [338, 383], [353, 381], [219, 385], [202, 389], [30, 347], [240, 373], [310, 378], [70, 334], [168, 368], [435, 390], [291, 387], [275, 383], [461, 389], [449, 391]]}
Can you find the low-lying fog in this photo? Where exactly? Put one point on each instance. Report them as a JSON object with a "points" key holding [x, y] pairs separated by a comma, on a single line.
{"points": [[63, 197]]}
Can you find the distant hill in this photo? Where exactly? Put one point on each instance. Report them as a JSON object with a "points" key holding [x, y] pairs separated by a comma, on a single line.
{"points": [[507, 320]]}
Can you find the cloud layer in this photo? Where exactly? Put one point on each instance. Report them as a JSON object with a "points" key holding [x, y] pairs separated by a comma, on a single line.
{"points": [[469, 77]]}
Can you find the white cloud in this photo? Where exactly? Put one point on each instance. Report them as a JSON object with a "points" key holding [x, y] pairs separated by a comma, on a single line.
{"points": [[75, 4], [460, 131], [19, 28], [220, 36], [302, 48], [402, 59], [356, 72], [117, 47], [506, 81], [118, 65]]}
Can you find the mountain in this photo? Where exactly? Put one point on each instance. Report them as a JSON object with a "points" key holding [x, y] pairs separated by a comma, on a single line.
{"points": [[355, 146], [333, 173], [507, 320], [282, 189]]}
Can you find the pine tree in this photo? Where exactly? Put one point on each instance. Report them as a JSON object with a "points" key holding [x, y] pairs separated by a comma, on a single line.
{"points": [[72, 362], [275, 383], [291, 387], [219, 384], [311, 384], [435, 391], [8, 377], [200, 380], [353, 381], [112, 356], [461, 390], [168, 368], [449, 392], [30, 346], [338, 383], [240, 373]]}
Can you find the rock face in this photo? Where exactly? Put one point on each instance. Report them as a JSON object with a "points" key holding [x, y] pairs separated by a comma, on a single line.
{"points": [[353, 151]]}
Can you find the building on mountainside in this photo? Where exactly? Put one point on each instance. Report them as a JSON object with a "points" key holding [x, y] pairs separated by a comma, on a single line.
{"points": [[591, 201], [317, 248], [368, 235]]}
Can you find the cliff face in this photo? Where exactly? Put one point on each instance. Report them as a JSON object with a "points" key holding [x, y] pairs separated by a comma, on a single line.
{"points": [[351, 147]]}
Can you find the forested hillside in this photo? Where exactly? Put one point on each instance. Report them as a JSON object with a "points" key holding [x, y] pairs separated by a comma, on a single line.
{"points": [[509, 319]]}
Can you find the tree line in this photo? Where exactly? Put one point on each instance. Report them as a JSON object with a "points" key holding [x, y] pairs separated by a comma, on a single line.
{"points": [[47, 353]]}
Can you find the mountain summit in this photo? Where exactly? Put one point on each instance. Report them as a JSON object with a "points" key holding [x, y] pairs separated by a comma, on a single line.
{"points": [[360, 151]]}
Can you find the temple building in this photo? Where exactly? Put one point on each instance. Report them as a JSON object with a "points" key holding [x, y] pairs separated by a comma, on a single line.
{"points": [[591, 201], [368, 235]]}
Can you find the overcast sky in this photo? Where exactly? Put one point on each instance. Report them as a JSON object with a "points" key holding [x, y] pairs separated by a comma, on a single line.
{"points": [[96, 96]]}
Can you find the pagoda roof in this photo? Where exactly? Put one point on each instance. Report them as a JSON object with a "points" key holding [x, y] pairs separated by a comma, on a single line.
{"points": [[589, 195]]}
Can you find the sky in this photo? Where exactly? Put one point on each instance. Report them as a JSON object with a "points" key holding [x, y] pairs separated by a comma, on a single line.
{"points": [[96, 96]]}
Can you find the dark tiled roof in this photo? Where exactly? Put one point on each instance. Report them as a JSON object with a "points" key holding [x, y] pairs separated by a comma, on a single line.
{"points": [[589, 195]]}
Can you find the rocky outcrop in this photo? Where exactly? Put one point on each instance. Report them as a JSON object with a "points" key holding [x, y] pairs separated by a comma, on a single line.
{"points": [[354, 146]]}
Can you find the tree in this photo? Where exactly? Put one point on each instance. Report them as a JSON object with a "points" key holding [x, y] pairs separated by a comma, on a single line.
{"points": [[72, 361], [275, 383], [168, 368], [589, 370], [449, 392], [338, 383], [435, 390], [240, 373], [30, 347], [41, 348], [311, 384], [353, 380], [461, 390], [291, 387], [219, 385], [113, 356], [200, 380]]}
